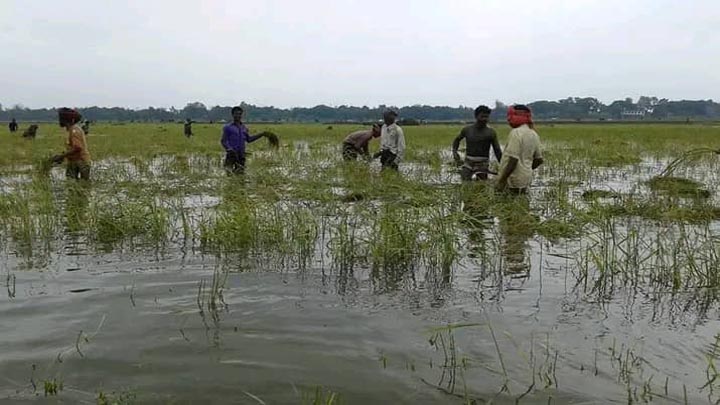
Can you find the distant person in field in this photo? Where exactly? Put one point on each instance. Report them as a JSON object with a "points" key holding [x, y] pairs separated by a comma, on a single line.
{"points": [[86, 127], [392, 142], [13, 126], [234, 137], [478, 139], [30, 132], [188, 127], [358, 143], [522, 153], [76, 154]]}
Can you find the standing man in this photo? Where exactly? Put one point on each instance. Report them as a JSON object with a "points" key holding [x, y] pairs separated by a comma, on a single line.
{"points": [[358, 142], [478, 139], [522, 153], [392, 142], [188, 127], [86, 127], [77, 155], [234, 137], [13, 126]]}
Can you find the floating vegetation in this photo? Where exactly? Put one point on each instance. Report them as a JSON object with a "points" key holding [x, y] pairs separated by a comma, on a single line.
{"points": [[678, 186]]}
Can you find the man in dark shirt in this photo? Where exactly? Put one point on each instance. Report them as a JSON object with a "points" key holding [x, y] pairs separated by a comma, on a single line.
{"points": [[13, 126], [478, 139], [188, 127]]}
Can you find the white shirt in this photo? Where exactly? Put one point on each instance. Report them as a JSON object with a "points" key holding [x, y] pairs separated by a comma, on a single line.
{"points": [[392, 138], [523, 144]]}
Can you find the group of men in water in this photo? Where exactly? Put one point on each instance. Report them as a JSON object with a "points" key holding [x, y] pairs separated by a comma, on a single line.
{"points": [[522, 153]]}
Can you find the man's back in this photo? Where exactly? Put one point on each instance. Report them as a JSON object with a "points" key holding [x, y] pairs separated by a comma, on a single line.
{"points": [[524, 145]]}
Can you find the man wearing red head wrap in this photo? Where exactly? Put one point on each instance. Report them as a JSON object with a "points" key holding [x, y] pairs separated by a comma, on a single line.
{"points": [[522, 153], [77, 155]]}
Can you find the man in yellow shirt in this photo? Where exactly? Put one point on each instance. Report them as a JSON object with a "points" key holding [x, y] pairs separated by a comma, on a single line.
{"points": [[522, 153], [77, 155]]}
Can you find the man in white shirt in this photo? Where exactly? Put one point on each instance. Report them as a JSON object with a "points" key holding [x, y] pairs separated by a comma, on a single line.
{"points": [[392, 142], [522, 153]]}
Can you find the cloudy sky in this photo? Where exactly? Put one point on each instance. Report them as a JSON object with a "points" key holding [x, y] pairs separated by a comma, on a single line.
{"points": [[137, 53]]}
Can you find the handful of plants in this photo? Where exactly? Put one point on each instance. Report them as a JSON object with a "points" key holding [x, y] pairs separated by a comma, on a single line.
{"points": [[273, 139]]}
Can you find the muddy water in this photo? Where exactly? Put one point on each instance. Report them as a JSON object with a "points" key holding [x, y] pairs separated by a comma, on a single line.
{"points": [[131, 323]]}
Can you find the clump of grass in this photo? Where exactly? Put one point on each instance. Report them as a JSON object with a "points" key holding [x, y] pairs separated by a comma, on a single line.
{"points": [[686, 157], [678, 186], [594, 194]]}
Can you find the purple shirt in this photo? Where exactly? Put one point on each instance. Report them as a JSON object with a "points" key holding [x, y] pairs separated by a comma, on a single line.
{"points": [[234, 137]]}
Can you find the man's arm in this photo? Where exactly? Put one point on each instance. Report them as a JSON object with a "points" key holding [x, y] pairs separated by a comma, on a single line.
{"points": [[537, 158], [496, 147], [400, 144], [224, 140], [502, 180], [456, 144], [253, 138], [73, 149], [512, 153]]}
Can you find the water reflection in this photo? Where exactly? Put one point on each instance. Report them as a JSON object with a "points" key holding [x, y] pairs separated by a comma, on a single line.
{"points": [[498, 235]]}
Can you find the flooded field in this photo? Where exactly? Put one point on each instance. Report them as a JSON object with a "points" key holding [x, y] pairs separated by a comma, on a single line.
{"points": [[314, 281]]}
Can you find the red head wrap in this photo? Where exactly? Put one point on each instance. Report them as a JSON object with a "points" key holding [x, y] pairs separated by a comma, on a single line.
{"points": [[69, 115], [517, 117]]}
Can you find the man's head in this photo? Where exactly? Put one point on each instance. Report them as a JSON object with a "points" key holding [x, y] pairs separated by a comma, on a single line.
{"points": [[389, 117], [376, 130], [237, 113], [482, 115], [68, 117], [519, 115]]}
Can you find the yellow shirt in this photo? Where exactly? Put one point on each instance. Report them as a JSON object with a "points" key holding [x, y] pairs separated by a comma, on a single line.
{"points": [[76, 141], [523, 144]]}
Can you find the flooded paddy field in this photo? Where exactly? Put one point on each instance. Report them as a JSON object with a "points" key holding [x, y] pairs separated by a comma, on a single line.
{"points": [[311, 280]]}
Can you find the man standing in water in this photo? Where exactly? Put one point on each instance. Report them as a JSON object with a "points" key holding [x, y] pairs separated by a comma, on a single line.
{"points": [[234, 137], [522, 152], [77, 155], [358, 142], [13, 126], [478, 139], [392, 142], [188, 127]]}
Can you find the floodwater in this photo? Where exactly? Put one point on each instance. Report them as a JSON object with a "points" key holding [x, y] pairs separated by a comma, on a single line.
{"points": [[139, 323]]}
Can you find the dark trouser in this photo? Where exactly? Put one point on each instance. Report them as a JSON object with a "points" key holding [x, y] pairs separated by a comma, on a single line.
{"points": [[476, 166], [188, 134], [78, 170], [387, 160], [234, 162], [349, 152]]}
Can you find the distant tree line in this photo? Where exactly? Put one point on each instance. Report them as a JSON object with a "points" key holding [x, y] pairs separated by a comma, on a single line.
{"points": [[571, 108]]}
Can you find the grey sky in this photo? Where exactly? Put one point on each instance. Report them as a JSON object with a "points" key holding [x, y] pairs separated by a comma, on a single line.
{"points": [[137, 53]]}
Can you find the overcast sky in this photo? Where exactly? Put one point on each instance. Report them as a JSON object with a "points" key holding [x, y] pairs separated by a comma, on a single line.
{"points": [[137, 53]]}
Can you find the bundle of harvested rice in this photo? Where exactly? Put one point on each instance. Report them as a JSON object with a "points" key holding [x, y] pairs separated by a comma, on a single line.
{"points": [[273, 139]]}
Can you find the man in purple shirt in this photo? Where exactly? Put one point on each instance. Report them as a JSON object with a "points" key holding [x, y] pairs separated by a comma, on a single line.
{"points": [[234, 137]]}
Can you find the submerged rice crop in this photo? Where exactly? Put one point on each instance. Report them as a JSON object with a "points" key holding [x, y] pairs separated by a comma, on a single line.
{"points": [[295, 268]]}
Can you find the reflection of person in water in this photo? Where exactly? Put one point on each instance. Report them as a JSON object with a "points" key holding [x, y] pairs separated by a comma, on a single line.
{"points": [[515, 228], [76, 206]]}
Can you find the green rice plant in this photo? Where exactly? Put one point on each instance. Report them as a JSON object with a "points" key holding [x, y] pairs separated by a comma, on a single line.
{"points": [[234, 229], [115, 222], [394, 242], [321, 396]]}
